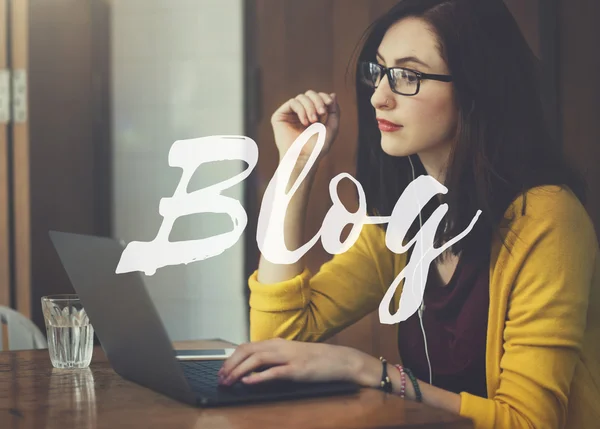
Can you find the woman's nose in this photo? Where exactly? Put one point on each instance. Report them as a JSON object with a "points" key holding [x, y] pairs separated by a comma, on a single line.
{"points": [[383, 97]]}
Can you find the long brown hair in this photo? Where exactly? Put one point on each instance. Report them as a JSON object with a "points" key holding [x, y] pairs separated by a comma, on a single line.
{"points": [[504, 147]]}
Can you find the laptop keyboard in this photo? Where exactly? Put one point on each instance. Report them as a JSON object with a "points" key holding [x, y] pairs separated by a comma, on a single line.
{"points": [[203, 376], [202, 373]]}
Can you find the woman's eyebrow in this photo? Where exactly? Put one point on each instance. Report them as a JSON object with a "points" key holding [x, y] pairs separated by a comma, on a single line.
{"points": [[400, 61]]}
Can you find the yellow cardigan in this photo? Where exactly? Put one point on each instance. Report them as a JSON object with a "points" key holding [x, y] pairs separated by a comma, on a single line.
{"points": [[543, 337]]}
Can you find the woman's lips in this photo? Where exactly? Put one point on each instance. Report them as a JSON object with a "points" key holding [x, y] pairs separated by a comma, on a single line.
{"points": [[388, 126]]}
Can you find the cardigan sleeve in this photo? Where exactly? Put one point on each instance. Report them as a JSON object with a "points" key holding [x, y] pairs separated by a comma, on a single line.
{"points": [[313, 308], [552, 263]]}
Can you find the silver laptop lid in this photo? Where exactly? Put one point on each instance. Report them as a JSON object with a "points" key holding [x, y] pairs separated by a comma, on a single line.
{"points": [[122, 313]]}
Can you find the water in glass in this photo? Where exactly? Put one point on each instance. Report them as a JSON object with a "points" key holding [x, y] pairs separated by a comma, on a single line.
{"points": [[70, 334]]}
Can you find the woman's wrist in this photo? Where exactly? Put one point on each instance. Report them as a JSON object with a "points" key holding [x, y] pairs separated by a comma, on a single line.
{"points": [[366, 371]]}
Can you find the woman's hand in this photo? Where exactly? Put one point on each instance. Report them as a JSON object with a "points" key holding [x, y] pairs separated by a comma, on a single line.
{"points": [[293, 360], [298, 113], [313, 362]]}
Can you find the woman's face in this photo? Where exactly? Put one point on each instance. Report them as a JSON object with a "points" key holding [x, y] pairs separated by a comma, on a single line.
{"points": [[429, 119]]}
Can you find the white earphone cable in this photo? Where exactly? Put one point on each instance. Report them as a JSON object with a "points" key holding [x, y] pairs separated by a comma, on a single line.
{"points": [[422, 307]]}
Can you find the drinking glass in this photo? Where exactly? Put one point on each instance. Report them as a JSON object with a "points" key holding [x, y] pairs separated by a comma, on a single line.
{"points": [[70, 334]]}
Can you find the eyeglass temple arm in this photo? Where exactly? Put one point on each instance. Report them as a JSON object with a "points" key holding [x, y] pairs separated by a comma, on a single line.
{"points": [[441, 77]]}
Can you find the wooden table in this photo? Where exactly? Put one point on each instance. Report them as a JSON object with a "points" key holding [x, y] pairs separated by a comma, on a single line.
{"points": [[33, 394]]}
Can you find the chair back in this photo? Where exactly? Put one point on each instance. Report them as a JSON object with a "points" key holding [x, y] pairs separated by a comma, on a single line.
{"points": [[23, 334]]}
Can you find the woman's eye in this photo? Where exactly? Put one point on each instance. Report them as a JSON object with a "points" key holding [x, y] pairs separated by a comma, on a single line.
{"points": [[409, 78]]}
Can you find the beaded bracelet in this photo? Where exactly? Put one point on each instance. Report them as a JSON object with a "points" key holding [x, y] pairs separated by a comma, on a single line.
{"points": [[386, 383], [400, 368], [415, 384]]}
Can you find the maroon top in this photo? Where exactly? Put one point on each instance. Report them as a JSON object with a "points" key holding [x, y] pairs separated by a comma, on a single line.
{"points": [[455, 321]]}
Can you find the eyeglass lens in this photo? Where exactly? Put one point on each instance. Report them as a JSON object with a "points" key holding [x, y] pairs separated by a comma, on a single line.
{"points": [[403, 81]]}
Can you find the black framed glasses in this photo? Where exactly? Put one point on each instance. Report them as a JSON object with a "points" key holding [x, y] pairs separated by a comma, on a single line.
{"points": [[402, 81]]}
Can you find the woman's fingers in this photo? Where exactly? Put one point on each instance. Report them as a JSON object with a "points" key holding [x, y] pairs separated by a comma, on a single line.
{"points": [[251, 355], [273, 373], [309, 106], [327, 98], [300, 111], [333, 106], [292, 107], [253, 362], [318, 102], [240, 354]]}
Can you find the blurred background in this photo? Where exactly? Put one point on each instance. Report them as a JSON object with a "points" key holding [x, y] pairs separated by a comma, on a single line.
{"points": [[93, 93]]}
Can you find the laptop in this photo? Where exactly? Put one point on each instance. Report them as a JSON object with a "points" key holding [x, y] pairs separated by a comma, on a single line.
{"points": [[135, 340]]}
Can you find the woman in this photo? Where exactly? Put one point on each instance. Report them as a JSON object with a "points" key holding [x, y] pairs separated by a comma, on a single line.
{"points": [[510, 315]]}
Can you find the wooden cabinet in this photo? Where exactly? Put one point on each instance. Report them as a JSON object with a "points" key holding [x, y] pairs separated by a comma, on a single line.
{"points": [[5, 265], [15, 289], [54, 149]]}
